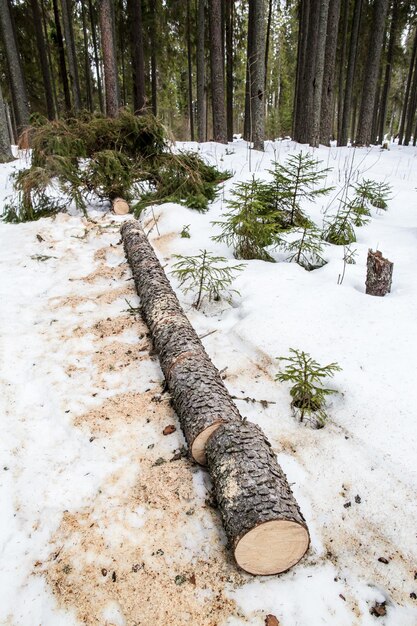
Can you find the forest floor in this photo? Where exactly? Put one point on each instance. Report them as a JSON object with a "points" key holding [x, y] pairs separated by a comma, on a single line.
{"points": [[103, 520]]}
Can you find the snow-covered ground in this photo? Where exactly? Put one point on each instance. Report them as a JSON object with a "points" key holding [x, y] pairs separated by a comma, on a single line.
{"points": [[95, 528]]}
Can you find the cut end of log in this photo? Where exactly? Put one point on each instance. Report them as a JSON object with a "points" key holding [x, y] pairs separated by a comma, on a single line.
{"points": [[120, 206], [272, 547], [198, 449]]}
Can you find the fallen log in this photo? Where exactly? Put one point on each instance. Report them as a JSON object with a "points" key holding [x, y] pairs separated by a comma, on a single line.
{"points": [[198, 393], [262, 520]]}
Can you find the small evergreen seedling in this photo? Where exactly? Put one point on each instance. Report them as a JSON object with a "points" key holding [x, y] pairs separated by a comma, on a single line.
{"points": [[307, 248], [205, 274], [250, 224], [185, 233], [340, 231], [308, 394], [295, 181]]}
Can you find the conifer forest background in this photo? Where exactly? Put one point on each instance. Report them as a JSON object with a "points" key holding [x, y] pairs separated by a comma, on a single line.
{"points": [[315, 70]]}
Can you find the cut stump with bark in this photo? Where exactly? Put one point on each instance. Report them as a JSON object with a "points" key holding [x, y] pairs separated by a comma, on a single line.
{"points": [[198, 393], [379, 274], [263, 522]]}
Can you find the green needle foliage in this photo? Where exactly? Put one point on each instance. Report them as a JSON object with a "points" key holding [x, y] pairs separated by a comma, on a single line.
{"points": [[206, 275], [308, 394], [103, 158], [370, 193], [251, 224], [307, 248], [340, 231], [294, 182]]}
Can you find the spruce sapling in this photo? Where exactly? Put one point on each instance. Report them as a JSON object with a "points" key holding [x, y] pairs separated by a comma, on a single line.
{"points": [[307, 248], [250, 224], [308, 394], [205, 274], [294, 182]]}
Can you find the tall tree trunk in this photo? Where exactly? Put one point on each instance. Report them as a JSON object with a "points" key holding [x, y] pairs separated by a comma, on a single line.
{"points": [[411, 108], [71, 54], [268, 37], [19, 93], [364, 131], [49, 57], [61, 56], [257, 74], [96, 56], [154, 75], [353, 49], [342, 63], [319, 72], [217, 72], [90, 103], [303, 25], [305, 112], [407, 89], [109, 58], [201, 98], [327, 96], [5, 149], [190, 74], [138, 64], [247, 128], [229, 67], [388, 70], [43, 59]]}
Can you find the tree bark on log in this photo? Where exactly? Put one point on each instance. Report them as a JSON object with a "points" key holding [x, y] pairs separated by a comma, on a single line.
{"points": [[379, 274], [198, 393], [263, 522]]}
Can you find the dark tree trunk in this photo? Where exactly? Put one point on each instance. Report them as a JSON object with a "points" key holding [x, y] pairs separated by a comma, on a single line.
{"points": [[388, 70], [49, 56], [303, 25], [247, 127], [307, 85], [407, 89], [353, 49], [71, 54], [90, 103], [411, 108], [201, 97], [61, 56], [256, 64], [319, 73], [268, 37], [96, 57], [190, 74], [217, 72], [379, 274], [264, 525], [43, 59], [138, 64], [5, 149], [363, 135], [197, 391], [19, 93], [327, 97], [342, 62], [154, 77], [109, 58], [229, 10]]}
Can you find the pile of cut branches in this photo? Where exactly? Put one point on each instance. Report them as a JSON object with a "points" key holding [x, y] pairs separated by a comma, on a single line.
{"points": [[95, 158]]}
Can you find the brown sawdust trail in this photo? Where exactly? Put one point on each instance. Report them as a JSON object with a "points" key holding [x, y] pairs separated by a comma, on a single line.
{"points": [[124, 559]]}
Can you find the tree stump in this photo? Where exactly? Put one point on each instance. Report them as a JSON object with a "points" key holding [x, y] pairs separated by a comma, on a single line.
{"points": [[379, 274], [198, 393], [263, 523], [120, 206]]}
